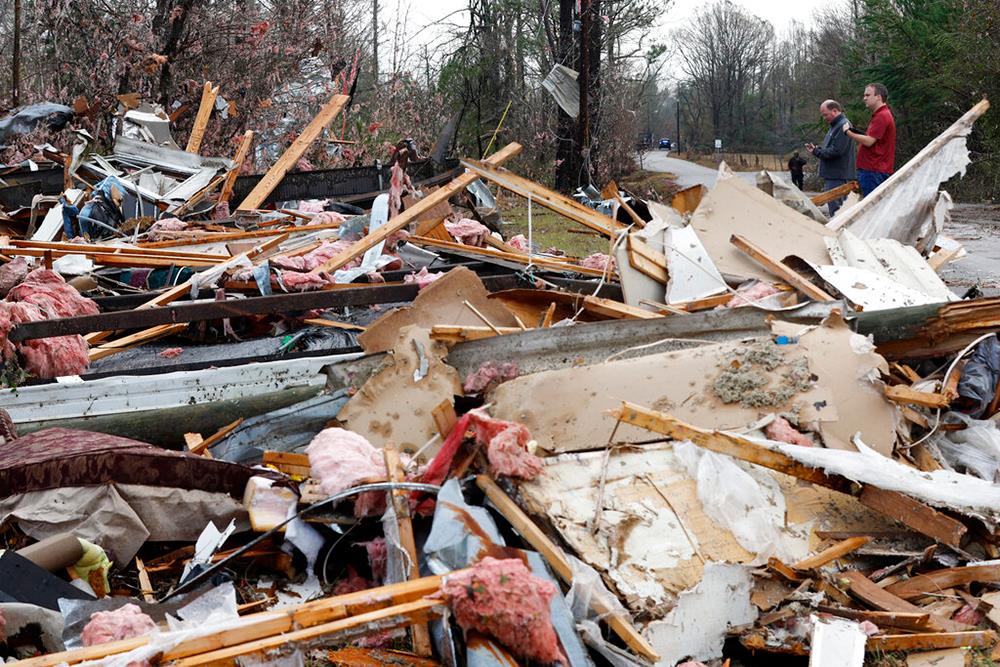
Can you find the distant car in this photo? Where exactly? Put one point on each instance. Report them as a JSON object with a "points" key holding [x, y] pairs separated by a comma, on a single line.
{"points": [[665, 144]]}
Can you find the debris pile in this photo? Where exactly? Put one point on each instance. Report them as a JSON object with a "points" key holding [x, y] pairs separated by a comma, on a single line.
{"points": [[239, 423]]}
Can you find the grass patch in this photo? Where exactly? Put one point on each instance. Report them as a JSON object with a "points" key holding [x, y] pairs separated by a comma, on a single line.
{"points": [[656, 185], [551, 230]]}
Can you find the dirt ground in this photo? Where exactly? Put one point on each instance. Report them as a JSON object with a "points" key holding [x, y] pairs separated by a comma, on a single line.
{"points": [[977, 227]]}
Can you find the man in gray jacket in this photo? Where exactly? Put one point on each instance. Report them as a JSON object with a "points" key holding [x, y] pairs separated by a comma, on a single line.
{"points": [[836, 155]]}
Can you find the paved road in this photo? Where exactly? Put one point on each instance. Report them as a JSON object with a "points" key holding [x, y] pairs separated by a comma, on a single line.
{"points": [[689, 173]]}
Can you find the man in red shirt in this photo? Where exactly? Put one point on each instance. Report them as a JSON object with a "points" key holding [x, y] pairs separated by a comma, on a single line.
{"points": [[877, 146]]}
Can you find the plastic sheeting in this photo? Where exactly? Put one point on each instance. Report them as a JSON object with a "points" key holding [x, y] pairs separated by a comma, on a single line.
{"points": [[980, 375]]}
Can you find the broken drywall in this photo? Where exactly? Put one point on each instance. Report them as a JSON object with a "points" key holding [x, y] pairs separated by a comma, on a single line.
{"points": [[696, 628]]}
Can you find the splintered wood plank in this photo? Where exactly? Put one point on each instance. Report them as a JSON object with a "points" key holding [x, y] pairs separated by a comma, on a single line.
{"points": [[545, 197], [333, 324], [903, 395], [241, 155], [939, 580], [136, 339], [400, 502], [839, 191], [288, 159], [145, 585], [556, 559], [444, 418], [202, 447], [867, 591], [832, 553], [610, 191], [413, 213], [208, 95], [616, 309], [931, 640], [288, 462], [646, 260], [778, 268], [894, 619], [914, 514]]}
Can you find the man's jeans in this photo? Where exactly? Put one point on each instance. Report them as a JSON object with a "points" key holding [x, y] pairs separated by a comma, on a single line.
{"points": [[869, 180], [830, 184]]}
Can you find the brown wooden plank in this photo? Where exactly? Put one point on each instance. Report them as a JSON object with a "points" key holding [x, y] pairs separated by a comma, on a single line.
{"points": [[915, 621], [208, 95], [931, 640], [839, 191], [645, 259], [939, 580], [145, 585], [831, 553], [555, 557], [288, 159], [400, 502], [413, 213], [865, 590], [904, 395], [914, 514], [779, 269], [617, 310], [241, 155]]}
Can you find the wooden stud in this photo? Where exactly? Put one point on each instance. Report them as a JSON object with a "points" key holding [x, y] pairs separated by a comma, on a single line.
{"points": [[413, 213], [832, 553], [549, 315], [208, 95], [555, 557], [939, 580], [904, 395], [646, 260], [914, 621], [617, 310], [865, 590], [839, 191], [400, 503], [145, 585], [322, 322], [445, 418], [196, 238], [241, 155], [779, 269], [931, 640], [292, 154], [610, 191]]}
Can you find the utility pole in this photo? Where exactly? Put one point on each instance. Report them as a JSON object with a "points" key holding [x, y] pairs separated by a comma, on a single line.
{"points": [[15, 75], [586, 21], [375, 39]]}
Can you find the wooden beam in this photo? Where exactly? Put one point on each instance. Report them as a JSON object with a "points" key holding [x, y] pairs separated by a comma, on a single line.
{"points": [[922, 518], [208, 95], [646, 260], [241, 155], [865, 590], [390, 618], [195, 238], [292, 154], [134, 340], [903, 173], [333, 324], [77, 248], [400, 503], [455, 333], [617, 310], [545, 197], [413, 213], [904, 395], [556, 559], [839, 191], [939, 580], [779, 269], [263, 624], [915, 621], [904, 509], [832, 553], [517, 258], [610, 191], [931, 640], [121, 259]]}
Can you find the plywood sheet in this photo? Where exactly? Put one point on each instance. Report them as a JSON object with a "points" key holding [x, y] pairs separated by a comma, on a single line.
{"points": [[733, 206], [439, 303]]}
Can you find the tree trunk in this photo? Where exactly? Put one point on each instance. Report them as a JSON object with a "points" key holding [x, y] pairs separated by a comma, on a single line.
{"points": [[567, 148], [15, 74]]}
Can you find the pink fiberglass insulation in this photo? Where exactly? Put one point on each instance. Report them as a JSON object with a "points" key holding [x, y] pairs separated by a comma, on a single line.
{"points": [[302, 282], [351, 582], [317, 256], [378, 557], [469, 232], [751, 294], [502, 599], [47, 290], [12, 273], [518, 242], [59, 356], [489, 375], [598, 261], [871, 629], [340, 459], [783, 431], [506, 446], [313, 205], [161, 229], [171, 352], [125, 622], [326, 218], [969, 615], [422, 278]]}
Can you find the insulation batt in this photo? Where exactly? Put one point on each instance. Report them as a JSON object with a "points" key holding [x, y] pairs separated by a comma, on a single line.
{"points": [[160, 229], [341, 459], [125, 622], [45, 295], [752, 294], [313, 205], [502, 599], [783, 431], [422, 278], [378, 557], [490, 374], [598, 261], [317, 256], [301, 282], [12, 273], [507, 447], [326, 218], [518, 242], [468, 231]]}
